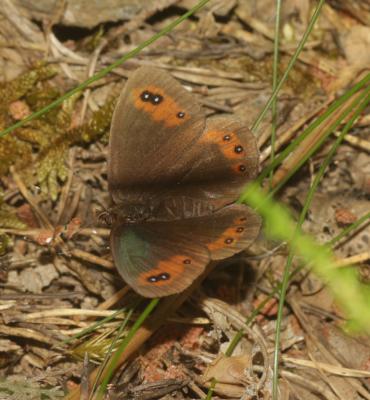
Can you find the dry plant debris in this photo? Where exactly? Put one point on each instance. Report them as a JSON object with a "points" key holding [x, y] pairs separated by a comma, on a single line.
{"points": [[55, 266]]}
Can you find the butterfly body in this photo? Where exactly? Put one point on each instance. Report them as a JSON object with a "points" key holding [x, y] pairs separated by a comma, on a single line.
{"points": [[173, 176]]}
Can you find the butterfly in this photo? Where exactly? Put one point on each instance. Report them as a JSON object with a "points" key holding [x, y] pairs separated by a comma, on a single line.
{"points": [[173, 176]]}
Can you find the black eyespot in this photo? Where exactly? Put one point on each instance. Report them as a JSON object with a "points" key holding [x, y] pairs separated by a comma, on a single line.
{"points": [[160, 277], [156, 99], [187, 261], [241, 168], [145, 96], [229, 240], [240, 229], [181, 115], [238, 149], [226, 138]]}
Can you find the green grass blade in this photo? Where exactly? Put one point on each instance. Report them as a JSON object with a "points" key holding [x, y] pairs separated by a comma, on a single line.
{"points": [[332, 127], [94, 326], [277, 288], [290, 65], [349, 229], [109, 352], [115, 359], [353, 295], [307, 204], [333, 107], [106, 70], [275, 77]]}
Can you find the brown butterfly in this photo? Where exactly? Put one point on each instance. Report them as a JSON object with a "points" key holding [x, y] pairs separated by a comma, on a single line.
{"points": [[173, 176]]}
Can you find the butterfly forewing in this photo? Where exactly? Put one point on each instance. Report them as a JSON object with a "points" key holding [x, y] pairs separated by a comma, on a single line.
{"points": [[154, 126], [162, 146]]}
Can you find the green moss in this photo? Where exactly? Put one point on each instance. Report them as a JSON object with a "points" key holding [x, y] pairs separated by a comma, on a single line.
{"points": [[99, 123], [8, 217], [51, 165], [17, 88], [44, 143], [4, 244], [13, 151]]}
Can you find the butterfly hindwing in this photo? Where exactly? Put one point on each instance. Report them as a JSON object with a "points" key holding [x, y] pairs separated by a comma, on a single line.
{"points": [[155, 262], [226, 157], [163, 258]]}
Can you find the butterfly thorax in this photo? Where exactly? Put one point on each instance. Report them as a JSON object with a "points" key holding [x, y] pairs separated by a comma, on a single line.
{"points": [[127, 213], [163, 209]]}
